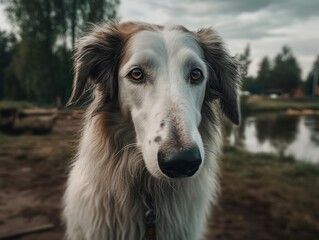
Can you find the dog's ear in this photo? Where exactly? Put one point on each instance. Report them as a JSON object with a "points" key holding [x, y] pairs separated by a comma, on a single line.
{"points": [[224, 80], [96, 61]]}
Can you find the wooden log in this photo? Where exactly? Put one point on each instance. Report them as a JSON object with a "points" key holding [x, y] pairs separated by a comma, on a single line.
{"points": [[36, 124], [26, 231], [38, 112], [7, 116], [36, 120]]}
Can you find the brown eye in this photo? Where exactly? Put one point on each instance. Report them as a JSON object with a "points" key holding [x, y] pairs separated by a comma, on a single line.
{"points": [[196, 75], [136, 74]]}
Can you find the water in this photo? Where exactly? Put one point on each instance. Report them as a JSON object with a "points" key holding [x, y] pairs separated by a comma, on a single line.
{"points": [[282, 134]]}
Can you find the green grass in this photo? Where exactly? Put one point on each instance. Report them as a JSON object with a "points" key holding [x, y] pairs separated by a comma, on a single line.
{"points": [[266, 104], [52, 150], [16, 104], [24, 104], [281, 191], [256, 164]]}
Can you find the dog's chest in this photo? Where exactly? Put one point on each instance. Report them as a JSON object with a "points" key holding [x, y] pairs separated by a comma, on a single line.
{"points": [[175, 220]]}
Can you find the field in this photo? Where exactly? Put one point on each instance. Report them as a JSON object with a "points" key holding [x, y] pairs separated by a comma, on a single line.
{"points": [[262, 197]]}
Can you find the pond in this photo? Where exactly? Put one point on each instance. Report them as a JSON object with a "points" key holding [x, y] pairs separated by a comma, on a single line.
{"points": [[285, 135]]}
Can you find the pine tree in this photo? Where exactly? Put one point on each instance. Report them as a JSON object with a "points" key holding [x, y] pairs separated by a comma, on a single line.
{"points": [[286, 73], [308, 86], [264, 75]]}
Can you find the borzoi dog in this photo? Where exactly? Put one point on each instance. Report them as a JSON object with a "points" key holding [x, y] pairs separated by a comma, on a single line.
{"points": [[146, 166]]}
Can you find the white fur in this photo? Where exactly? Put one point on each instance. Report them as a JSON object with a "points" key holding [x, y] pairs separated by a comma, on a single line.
{"points": [[169, 96], [104, 195]]}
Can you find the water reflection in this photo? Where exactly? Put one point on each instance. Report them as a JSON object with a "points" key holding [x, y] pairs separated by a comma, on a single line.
{"points": [[282, 134]]}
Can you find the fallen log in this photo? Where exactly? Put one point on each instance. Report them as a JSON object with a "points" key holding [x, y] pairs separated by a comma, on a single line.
{"points": [[37, 120], [7, 116], [26, 231], [35, 124], [37, 112]]}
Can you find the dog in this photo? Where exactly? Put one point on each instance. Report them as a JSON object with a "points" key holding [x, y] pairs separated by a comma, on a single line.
{"points": [[147, 161]]}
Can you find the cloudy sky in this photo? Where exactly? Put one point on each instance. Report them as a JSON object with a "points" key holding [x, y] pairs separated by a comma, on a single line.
{"points": [[266, 25]]}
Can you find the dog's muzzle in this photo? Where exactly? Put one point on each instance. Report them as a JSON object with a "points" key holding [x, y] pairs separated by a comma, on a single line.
{"points": [[181, 164]]}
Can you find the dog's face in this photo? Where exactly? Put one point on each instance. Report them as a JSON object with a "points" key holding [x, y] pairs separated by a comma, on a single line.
{"points": [[161, 78], [162, 84]]}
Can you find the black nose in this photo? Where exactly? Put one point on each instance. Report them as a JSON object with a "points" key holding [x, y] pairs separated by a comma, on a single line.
{"points": [[180, 164]]}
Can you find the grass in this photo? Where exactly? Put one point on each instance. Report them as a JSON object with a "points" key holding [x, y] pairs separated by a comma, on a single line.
{"points": [[51, 150], [263, 104], [260, 164], [281, 193], [16, 104], [24, 104]]}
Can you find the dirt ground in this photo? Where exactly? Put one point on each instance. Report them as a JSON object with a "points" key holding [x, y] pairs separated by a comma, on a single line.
{"points": [[255, 202]]}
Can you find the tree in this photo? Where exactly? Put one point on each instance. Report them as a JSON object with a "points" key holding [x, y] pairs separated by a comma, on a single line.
{"points": [[41, 23], [264, 75], [244, 60], [41, 65], [7, 46], [83, 12], [249, 83], [308, 85], [286, 73]]}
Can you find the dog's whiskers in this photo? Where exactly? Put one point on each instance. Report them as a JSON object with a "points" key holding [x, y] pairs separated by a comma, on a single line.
{"points": [[128, 146]]}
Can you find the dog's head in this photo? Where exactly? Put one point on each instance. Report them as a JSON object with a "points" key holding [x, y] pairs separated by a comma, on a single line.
{"points": [[161, 78]]}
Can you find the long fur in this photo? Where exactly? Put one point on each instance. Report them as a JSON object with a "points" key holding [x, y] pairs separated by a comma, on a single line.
{"points": [[108, 180]]}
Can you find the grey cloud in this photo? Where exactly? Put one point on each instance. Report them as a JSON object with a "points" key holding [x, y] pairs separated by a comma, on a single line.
{"points": [[295, 8], [235, 6], [270, 14], [307, 47], [244, 32], [267, 14]]}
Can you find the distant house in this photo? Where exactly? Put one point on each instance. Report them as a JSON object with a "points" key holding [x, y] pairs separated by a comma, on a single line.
{"points": [[298, 93]]}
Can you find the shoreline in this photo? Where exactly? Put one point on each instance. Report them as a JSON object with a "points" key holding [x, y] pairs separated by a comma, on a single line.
{"points": [[292, 106]]}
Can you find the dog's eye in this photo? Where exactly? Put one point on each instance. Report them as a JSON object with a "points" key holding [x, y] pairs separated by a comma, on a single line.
{"points": [[136, 74], [196, 75]]}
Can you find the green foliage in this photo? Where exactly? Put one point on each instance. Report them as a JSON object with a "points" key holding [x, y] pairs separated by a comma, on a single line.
{"points": [[270, 166], [263, 79], [302, 170], [16, 104], [264, 75], [283, 75], [82, 13], [308, 86], [7, 45], [286, 73], [40, 68], [244, 60]]}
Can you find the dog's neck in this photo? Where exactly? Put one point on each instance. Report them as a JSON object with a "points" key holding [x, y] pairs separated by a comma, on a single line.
{"points": [[150, 215]]}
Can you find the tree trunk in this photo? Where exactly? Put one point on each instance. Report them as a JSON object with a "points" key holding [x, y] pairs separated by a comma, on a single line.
{"points": [[73, 27]]}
